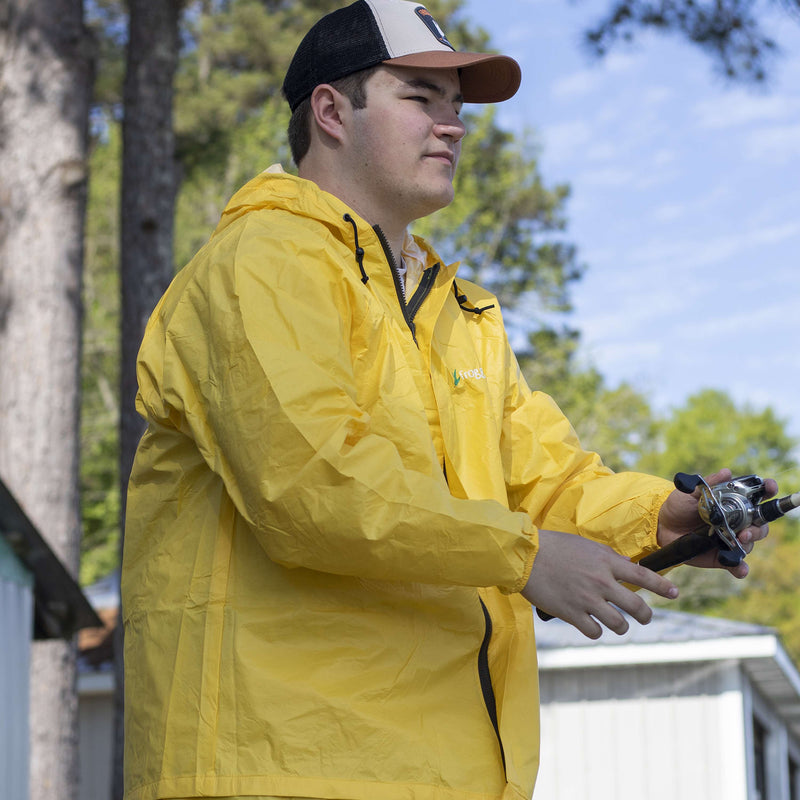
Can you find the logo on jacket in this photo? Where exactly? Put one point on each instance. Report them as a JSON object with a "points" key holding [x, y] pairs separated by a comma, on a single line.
{"points": [[460, 375], [430, 24]]}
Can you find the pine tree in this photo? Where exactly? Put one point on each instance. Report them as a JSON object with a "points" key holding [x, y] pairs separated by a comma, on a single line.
{"points": [[45, 86]]}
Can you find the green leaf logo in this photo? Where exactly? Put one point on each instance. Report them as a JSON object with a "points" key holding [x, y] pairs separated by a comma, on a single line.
{"points": [[456, 379]]}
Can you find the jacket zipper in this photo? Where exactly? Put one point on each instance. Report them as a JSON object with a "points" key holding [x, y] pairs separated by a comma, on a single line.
{"points": [[486, 680], [411, 308], [423, 290]]}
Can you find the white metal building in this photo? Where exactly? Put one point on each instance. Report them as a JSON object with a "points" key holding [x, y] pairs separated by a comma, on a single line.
{"points": [[687, 707], [96, 694], [16, 623], [38, 600]]}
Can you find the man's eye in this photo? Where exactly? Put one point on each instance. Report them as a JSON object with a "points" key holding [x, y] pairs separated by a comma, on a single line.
{"points": [[419, 98]]}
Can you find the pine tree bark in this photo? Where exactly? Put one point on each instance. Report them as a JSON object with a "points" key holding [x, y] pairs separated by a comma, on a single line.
{"points": [[45, 87], [149, 188]]}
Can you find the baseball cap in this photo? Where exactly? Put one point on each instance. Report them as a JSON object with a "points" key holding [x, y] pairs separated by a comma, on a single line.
{"points": [[398, 32]]}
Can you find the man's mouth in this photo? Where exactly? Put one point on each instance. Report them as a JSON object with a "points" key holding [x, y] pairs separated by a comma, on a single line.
{"points": [[444, 156]]}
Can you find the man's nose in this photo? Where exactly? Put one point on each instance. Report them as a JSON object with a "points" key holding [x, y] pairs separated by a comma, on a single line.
{"points": [[451, 126]]}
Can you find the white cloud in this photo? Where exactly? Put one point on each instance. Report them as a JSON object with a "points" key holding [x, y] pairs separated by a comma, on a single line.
{"points": [[773, 234], [778, 144], [740, 108], [563, 140], [576, 84], [618, 63], [664, 157], [603, 150], [695, 253], [586, 81], [611, 176], [657, 95], [670, 212]]}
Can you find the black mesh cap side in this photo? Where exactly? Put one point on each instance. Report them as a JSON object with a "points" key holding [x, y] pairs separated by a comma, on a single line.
{"points": [[342, 42]]}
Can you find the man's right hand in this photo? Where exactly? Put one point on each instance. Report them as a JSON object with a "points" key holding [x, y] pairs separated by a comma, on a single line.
{"points": [[577, 580]]}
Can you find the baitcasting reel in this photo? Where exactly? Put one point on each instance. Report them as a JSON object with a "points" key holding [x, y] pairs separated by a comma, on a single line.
{"points": [[727, 509]]}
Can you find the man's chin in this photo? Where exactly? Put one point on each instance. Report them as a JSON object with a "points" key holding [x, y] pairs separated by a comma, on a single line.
{"points": [[440, 200]]}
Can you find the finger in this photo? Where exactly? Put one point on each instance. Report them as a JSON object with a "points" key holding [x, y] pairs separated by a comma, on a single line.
{"points": [[632, 604], [755, 533], [612, 619], [740, 571], [586, 625], [644, 578], [746, 542], [718, 477]]}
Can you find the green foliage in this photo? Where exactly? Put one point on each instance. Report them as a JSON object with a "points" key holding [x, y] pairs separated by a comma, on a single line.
{"points": [[254, 145], [99, 481], [235, 55], [710, 432], [615, 422]]}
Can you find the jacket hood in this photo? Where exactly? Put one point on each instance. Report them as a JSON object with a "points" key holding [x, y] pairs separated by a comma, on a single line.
{"points": [[275, 189]]}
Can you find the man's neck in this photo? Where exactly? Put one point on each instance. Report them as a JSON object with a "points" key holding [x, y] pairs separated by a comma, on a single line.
{"points": [[395, 241], [393, 230]]}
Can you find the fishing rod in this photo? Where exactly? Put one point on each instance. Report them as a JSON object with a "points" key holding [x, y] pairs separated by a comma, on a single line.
{"points": [[726, 509]]}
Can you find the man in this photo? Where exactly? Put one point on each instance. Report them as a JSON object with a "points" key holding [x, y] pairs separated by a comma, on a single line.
{"points": [[347, 498]]}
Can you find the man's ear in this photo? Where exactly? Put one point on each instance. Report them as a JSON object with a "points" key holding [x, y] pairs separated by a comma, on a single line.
{"points": [[329, 109]]}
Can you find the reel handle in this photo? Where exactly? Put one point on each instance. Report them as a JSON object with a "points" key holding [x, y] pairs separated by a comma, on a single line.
{"points": [[686, 483]]}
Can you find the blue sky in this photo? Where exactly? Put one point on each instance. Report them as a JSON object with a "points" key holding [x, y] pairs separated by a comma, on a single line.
{"points": [[685, 202]]}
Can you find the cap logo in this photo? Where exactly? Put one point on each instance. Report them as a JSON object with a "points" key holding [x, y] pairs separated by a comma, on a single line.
{"points": [[430, 24]]}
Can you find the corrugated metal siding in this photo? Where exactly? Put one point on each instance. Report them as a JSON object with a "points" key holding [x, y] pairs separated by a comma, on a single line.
{"points": [[16, 626], [656, 732], [96, 727]]}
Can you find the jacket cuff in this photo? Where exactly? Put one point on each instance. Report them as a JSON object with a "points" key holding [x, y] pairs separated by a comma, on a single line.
{"points": [[649, 540], [519, 584]]}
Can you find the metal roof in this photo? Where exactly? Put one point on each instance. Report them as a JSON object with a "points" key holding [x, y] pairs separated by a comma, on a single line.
{"points": [[60, 608], [666, 626]]}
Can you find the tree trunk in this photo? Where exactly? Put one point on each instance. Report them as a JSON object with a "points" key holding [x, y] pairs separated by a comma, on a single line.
{"points": [[149, 186], [45, 86]]}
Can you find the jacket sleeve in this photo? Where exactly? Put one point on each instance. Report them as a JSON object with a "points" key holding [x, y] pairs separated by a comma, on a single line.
{"points": [[566, 488], [257, 370]]}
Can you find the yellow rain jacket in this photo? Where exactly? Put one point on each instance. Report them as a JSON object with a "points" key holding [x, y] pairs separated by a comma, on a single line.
{"points": [[330, 515]]}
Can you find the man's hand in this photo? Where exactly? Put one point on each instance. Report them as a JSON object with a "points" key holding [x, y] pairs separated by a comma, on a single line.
{"points": [[679, 515], [577, 580]]}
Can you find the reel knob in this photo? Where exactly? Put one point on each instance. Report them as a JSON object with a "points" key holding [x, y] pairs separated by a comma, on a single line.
{"points": [[729, 558], [686, 483]]}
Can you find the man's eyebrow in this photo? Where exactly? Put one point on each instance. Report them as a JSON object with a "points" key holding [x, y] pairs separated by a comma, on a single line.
{"points": [[421, 83]]}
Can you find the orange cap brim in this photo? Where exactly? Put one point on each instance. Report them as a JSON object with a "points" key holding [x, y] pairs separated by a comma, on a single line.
{"points": [[485, 77]]}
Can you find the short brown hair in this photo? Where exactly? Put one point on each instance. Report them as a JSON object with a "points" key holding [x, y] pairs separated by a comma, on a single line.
{"points": [[352, 86]]}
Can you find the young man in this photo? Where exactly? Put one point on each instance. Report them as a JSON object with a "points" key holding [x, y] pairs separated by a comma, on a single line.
{"points": [[347, 498]]}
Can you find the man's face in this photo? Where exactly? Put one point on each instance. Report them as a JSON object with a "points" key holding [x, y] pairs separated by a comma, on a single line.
{"points": [[406, 143]]}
